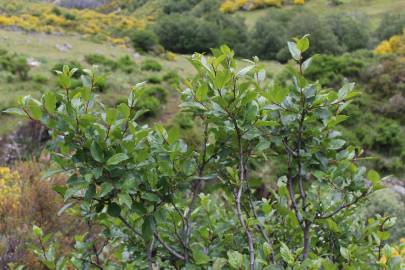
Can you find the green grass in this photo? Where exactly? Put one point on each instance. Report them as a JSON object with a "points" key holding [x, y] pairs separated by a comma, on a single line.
{"points": [[372, 9]]}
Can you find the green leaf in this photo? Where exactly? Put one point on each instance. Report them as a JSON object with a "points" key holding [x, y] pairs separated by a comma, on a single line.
{"points": [[374, 177], [303, 44], [251, 112], [124, 198], [200, 257], [294, 51], [90, 192], [219, 263], [235, 259], [306, 64], [111, 116], [15, 111], [148, 228], [173, 135], [244, 71], [117, 158], [201, 93], [105, 188], [37, 231], [96, 152], [278, 94], [151, 197], [286, 254], [336, 144], [35, 110], [266, 249], [124, 110], [50, 101], [114, 210], [345, 253], [61, 190], [332, 225]]}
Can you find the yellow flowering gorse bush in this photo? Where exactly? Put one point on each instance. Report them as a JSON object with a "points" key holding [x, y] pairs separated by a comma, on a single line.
{"points": [[43, 18], [395, 44]]}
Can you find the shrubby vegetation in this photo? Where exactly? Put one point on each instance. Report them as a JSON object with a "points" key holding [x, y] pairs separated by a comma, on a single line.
{"points": [[391, 24], [159, 202], [14, 64], [26, 198], [335, 34], [144, 40]]}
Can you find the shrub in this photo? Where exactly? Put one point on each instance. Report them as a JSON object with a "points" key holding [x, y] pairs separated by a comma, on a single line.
{"points": [[352, 32], [391, 24], [186, 34], [173, 78], [154, 80], [14, 64], [184, 121], [144, 40], [231, 31], [151, 65], [99, 59], [385, 77], [269, 38], [150, 104], [331, 70], [126, 64], [179, 6], [40, 79], [394, 45], [142, 185], [321, 36], [330, 35], [158, 92], [21, 68]]}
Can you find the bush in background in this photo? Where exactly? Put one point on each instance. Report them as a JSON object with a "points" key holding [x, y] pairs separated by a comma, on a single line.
{"points": [[186, 34], [352, 32], [15, 64], [179, 6], [99, 59], [151, 65], [126, 64], [144, 40], [391, 24]]}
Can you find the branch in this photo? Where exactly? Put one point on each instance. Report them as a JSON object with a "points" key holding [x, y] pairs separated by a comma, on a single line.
{"points": [[168, 248], [259, 226], [299, 144], [291, 191], [150, 250], [238, 196], [340, 208]]}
